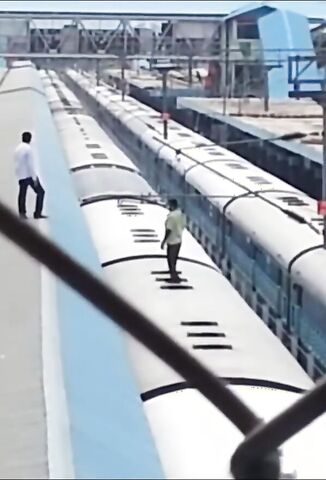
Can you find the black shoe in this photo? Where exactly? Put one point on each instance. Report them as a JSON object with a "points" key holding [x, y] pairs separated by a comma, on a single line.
{"points": [[175, 279], [39, 215]]}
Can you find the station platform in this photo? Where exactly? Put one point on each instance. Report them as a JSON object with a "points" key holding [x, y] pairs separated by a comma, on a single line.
{"points": [[298, 162], [282, 117], [69, 404], [23, 439]]}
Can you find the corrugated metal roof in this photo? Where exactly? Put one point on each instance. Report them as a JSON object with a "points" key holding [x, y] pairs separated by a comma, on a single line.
{"points": [[251, 7]]}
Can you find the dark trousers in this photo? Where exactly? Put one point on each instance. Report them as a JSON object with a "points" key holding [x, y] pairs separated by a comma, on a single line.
{"points": [[173, 253], [38, 189]]}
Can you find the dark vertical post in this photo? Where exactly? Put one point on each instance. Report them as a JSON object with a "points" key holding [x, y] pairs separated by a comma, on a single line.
{"points": [[190, 67], [324, 160], [123, 62], [164, 105], [151, 61], [97, 72], [266, 91]]}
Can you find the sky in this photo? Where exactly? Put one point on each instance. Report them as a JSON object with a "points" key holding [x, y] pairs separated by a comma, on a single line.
{"points": [[309, 8]]}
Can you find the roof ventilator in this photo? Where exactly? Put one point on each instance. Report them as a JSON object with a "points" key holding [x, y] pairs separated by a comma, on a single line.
{"points": [[293, 201]]}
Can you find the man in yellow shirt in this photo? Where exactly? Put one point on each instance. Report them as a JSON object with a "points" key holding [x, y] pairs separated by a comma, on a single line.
{"points": [[174, 226]]}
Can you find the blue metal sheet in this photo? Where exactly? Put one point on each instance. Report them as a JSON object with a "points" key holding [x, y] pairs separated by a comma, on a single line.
{"points": [[293, 38], [255, 7], [109, 433]]}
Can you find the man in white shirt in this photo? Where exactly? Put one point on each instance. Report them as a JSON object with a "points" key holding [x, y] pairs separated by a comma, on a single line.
{"points": [[174, 226], [26, 175]]}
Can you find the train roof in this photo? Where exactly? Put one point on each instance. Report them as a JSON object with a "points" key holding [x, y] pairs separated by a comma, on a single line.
{"points": [[130, 254]]}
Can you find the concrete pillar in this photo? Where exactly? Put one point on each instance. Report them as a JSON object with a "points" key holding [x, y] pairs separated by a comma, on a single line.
{"points": [[232, 44], [223, 58]]}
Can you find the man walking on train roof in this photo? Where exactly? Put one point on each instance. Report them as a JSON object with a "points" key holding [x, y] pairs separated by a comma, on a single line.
{"points": [[174, 226], [26, 176]]}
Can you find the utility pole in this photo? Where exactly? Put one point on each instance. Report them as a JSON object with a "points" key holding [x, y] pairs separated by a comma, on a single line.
{"points": [[164, 69], [164, 105], [324, 153], [123, 62], [190, 67], [319, 96], [97, 72]]}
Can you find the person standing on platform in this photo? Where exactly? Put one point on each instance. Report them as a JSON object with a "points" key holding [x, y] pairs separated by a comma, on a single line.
{"points": [[174, 226], [26, 176]]}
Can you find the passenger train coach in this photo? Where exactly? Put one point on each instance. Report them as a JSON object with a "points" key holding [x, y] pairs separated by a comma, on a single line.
{"points": [[203, 313], [264, 234]]}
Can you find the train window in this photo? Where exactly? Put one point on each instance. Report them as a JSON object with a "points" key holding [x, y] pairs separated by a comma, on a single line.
{"points": [[248, 247], [239, 238], [229, 227], [210, 209], [298, 294], [260, 257], [198, 195], [217, 216]]}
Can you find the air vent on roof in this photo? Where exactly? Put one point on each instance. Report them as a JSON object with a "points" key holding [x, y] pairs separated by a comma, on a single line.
{"points": [[199, 324], [150, 126], [146, 240], [293, 201], [211, 148], [92, 145], [145, 235], [99, 156], [162, 272], [185, 135], [236, 166], [214, 153], [133, 213], [320, 220], [259, 180], [206, 334], [212, 347], [176, 287]]}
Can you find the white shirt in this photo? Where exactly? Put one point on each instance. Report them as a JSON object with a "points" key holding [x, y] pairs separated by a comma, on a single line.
{"points": [[175, 222], [24, 162]]}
